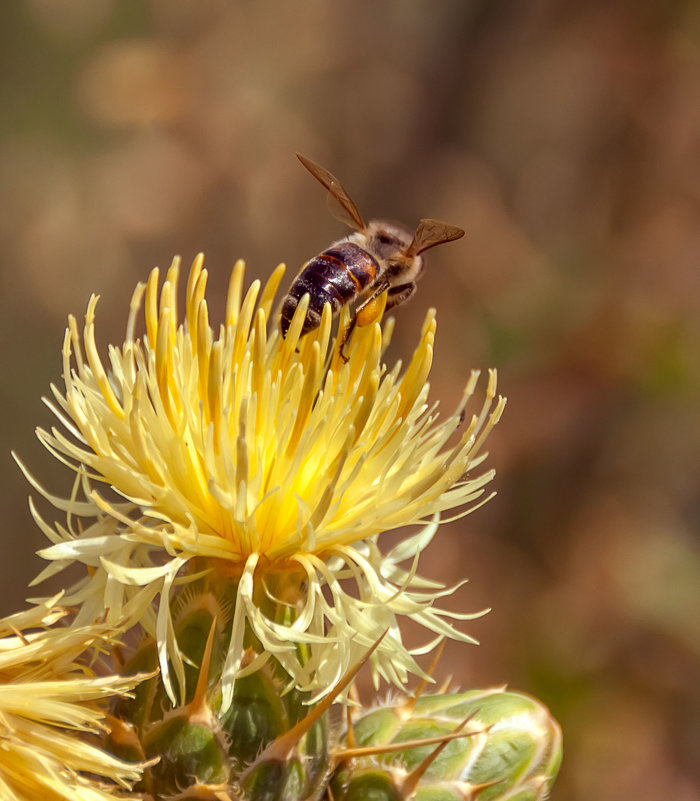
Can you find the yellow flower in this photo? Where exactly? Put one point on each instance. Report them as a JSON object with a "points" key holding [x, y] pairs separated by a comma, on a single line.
{"points": [[46, 701], [259, 457]]}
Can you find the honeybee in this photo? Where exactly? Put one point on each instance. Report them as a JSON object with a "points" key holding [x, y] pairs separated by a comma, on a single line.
{"points": [[378, 257]]}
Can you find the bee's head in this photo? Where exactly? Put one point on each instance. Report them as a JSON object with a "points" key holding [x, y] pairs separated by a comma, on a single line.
{"points": [[388, 242], [388, 239]]}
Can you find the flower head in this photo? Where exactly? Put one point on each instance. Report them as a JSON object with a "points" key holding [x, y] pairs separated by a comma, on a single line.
{"points": [[47, 700], [255, 457]]}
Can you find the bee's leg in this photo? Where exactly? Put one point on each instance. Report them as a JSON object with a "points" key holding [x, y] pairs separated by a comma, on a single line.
{"points": [[366, 313], [400, 294], [345, 337]]}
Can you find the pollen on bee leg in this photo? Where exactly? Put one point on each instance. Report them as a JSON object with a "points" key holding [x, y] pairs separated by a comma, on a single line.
{"points": [[372, 310]]}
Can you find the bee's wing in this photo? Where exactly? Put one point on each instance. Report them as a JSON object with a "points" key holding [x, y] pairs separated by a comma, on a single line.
{"points": [[430, 233], [342, 214], [337, 196]]}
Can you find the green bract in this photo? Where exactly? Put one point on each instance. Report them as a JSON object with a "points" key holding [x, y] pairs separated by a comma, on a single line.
{"points": [[511, 750]]}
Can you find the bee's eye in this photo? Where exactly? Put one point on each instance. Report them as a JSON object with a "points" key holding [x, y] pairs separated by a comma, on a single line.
{"points": [[385, 239]]}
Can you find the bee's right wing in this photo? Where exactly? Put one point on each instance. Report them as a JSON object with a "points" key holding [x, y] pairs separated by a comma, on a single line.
{"points": [[430, 233], [337, 196]]}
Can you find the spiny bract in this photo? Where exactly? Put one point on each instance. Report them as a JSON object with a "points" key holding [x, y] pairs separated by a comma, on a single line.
{"points": [[510, 751], [271, 745], [203, 750]]}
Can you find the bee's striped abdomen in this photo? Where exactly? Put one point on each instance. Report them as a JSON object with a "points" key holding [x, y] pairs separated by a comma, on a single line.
{"points": [[336, 276]]}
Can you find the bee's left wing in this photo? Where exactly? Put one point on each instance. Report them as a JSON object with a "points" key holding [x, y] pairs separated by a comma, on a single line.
{"points": [[430, 233], [337, 196]]}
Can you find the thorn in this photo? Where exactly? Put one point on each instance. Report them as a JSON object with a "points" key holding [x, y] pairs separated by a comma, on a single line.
{"points": [[350, 736], [199, 708], [478, 788], [410, 783], [19, 634], [354, 694], [410, 705], [445, 686], [343, 754], [281, 748], [123, 733]]}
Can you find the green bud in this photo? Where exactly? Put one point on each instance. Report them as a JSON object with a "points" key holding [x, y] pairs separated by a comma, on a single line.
{"points": [[185, 749], [511, 750]]}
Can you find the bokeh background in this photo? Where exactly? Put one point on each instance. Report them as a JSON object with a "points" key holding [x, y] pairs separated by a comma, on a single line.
{"points": [[565, 137]]}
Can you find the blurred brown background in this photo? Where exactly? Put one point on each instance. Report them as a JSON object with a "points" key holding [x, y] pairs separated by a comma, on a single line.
{"points": [[565, 137]]}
